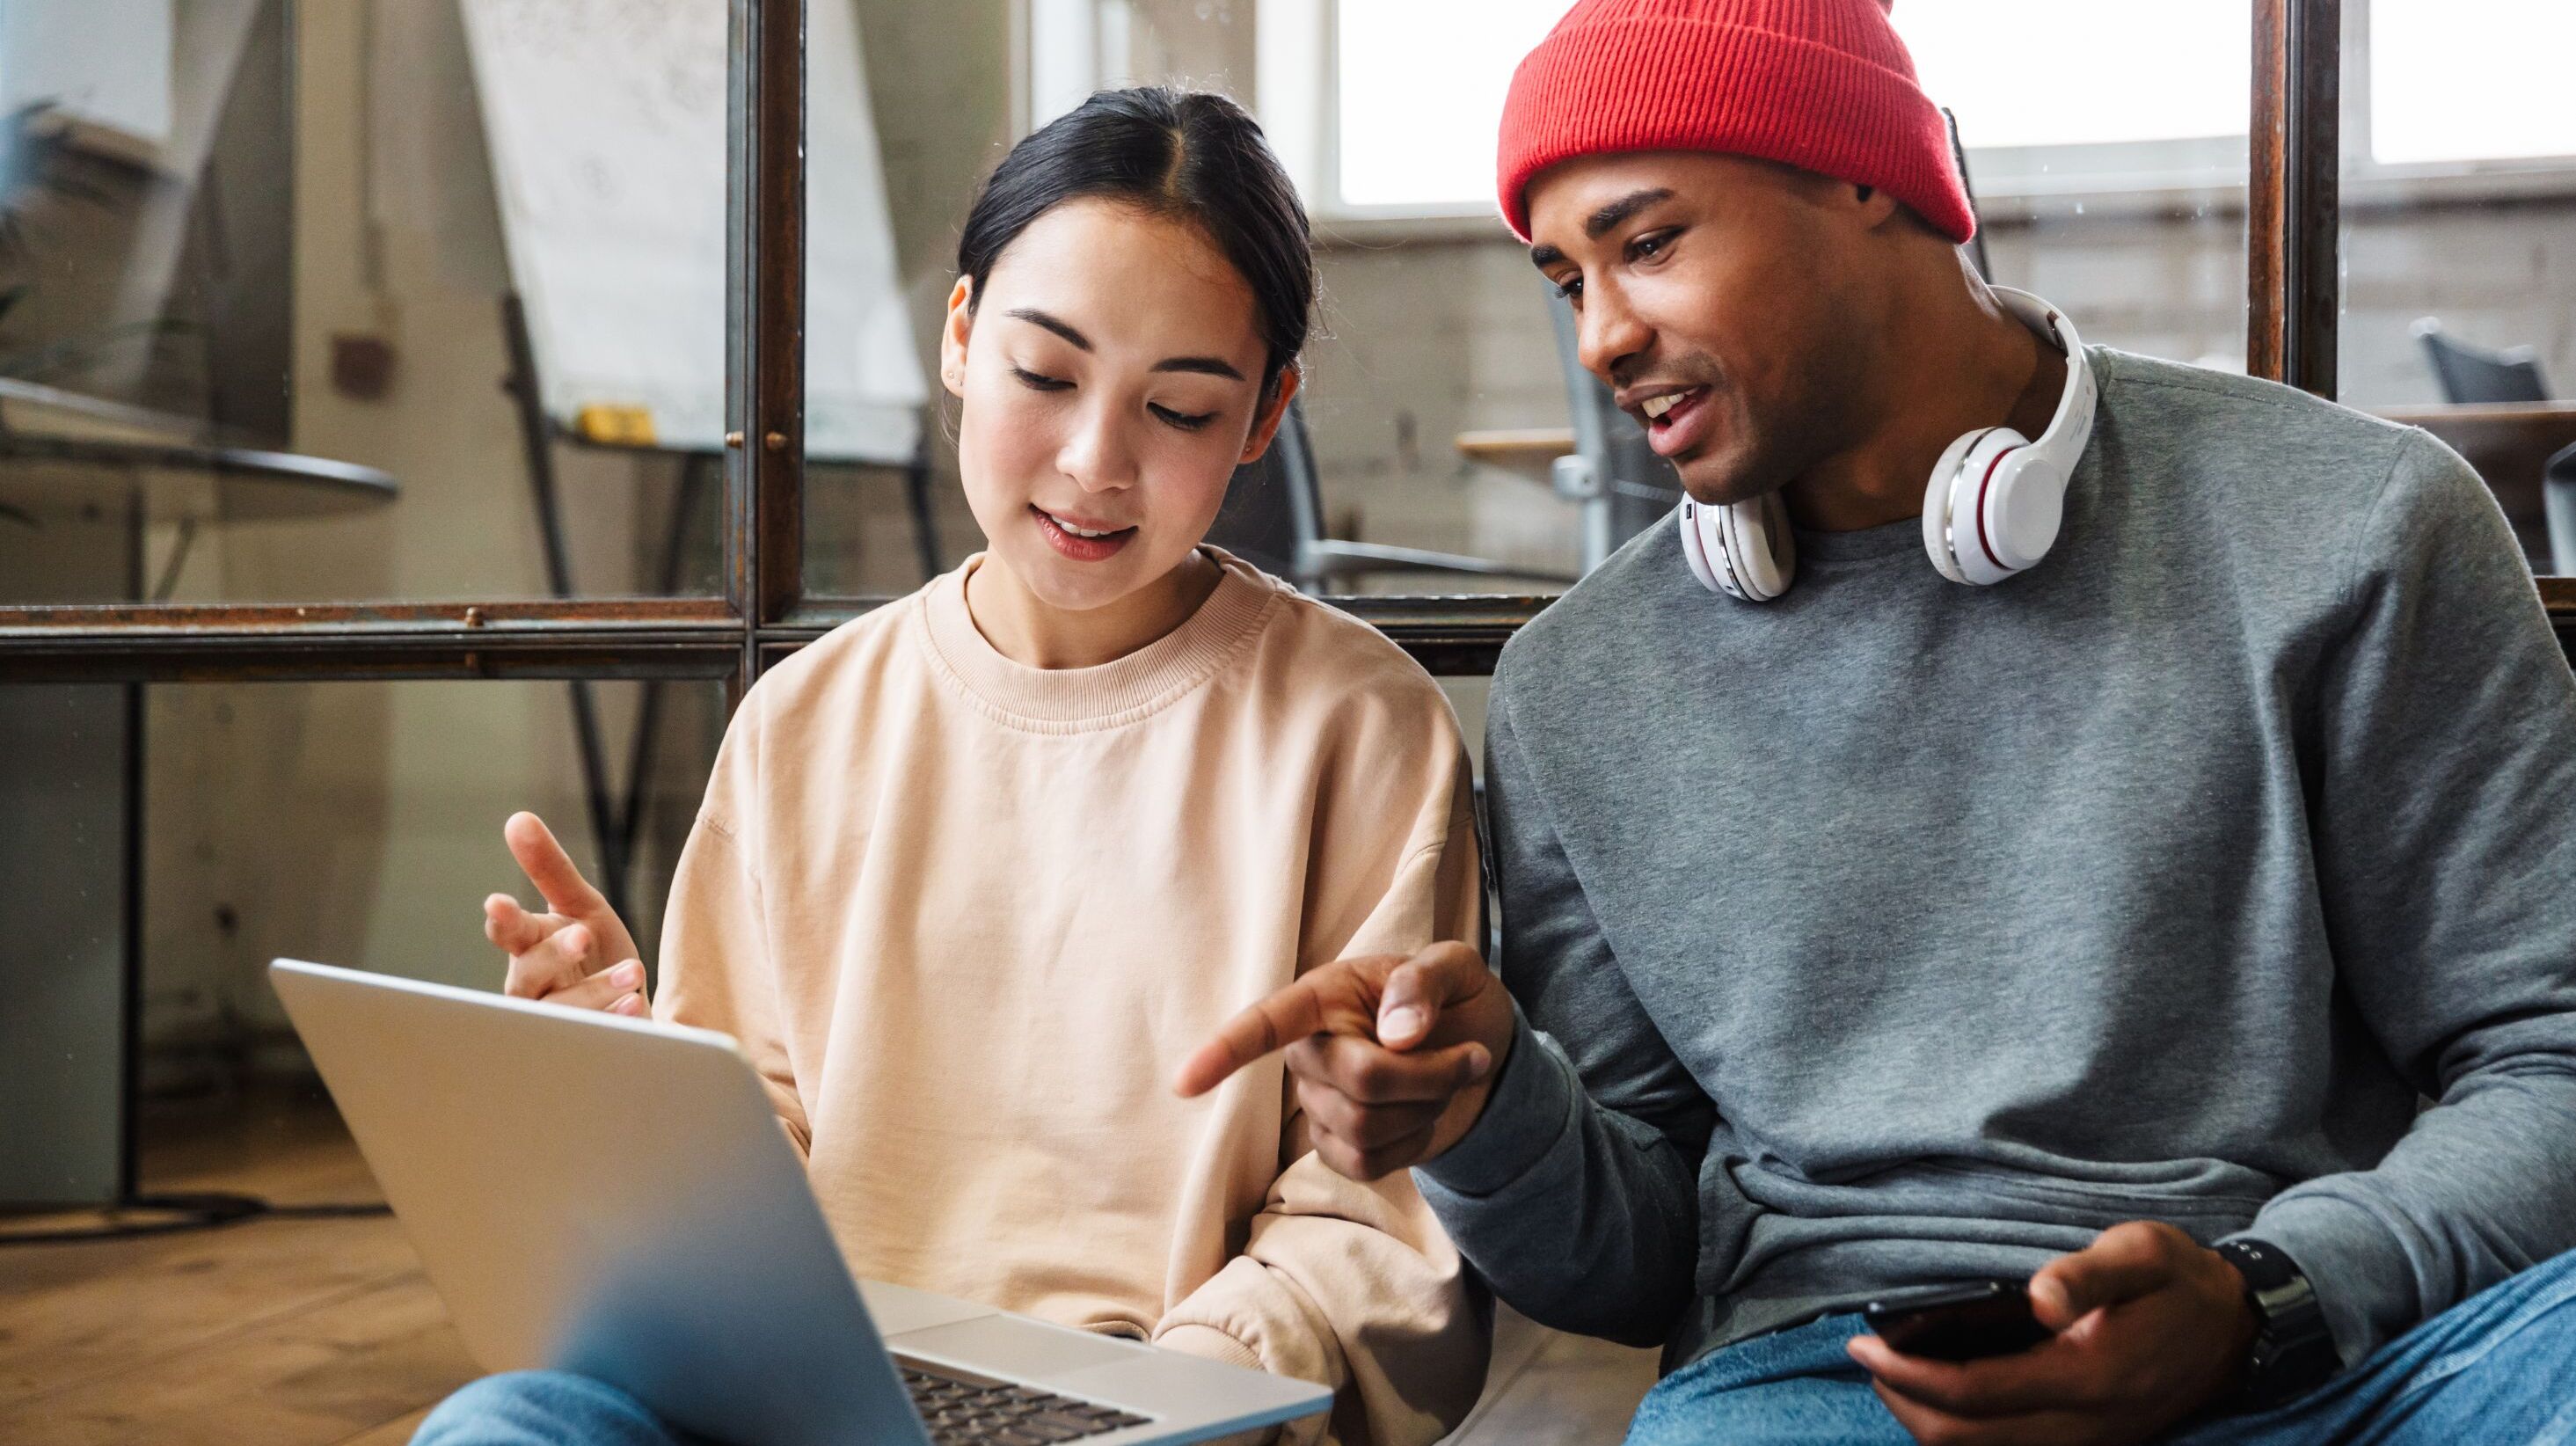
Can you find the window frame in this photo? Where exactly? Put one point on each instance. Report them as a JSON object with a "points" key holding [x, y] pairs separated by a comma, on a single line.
{"points": [[764, 612]]}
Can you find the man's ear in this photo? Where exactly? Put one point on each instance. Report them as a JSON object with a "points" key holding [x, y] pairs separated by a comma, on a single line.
{"points": [[1265, 423], [1877, 204], [954, 335]]}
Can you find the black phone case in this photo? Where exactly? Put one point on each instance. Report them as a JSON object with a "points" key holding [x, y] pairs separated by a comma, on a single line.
{"points": [[1957, 1323]]}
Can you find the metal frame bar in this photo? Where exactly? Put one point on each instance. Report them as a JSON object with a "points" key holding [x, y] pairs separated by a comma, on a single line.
{"points": [[2293, 220], [765, 363]]}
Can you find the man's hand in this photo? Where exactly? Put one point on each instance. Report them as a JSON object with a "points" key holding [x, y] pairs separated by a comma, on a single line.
{"points": [[2150, 1328], [1393, 1057], [577, 954]]}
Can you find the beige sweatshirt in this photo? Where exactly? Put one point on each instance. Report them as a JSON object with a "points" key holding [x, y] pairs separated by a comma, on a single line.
{"points": [[967, 917]]}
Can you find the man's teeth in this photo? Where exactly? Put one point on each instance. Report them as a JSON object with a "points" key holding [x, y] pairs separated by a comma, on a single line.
{"points": [[1081, 532], [1655, 407]]}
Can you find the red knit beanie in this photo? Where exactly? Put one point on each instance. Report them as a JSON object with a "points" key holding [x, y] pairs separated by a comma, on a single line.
{"points": [[1823, 85]]}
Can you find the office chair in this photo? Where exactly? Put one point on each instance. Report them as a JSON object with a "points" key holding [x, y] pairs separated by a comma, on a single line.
{"points": [[2558, 504], [2473, 374], [1273, 517]]}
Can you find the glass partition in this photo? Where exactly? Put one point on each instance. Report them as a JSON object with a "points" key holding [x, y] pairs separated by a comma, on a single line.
{"points": [[163, 843], [2459, 243], [1424, 342], [333, 302], [2127, 209]]}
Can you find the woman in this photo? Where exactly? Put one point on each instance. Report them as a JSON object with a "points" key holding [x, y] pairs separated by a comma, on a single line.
{"points": [[976, 870]]}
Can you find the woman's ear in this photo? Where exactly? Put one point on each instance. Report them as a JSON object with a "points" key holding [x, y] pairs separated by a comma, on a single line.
{"points": [[1265, 423], [953, 336]]}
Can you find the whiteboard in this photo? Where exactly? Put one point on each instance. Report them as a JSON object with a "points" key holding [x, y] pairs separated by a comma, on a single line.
{"points": [[606, 122]]}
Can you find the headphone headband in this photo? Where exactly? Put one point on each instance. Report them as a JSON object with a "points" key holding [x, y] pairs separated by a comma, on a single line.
{"points": [[2070, 427]]}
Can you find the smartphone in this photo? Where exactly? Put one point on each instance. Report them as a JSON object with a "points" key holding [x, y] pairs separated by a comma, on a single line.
{"points": [[1965, 1322]]}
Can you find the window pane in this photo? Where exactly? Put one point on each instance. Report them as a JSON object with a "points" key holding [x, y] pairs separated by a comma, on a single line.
{"points": [[2110, 178], [2470, 80], [351, 823], [904, 115], [2047, 73], [2458, 286], [254, 283], [1445, 112], [1416, 346]]}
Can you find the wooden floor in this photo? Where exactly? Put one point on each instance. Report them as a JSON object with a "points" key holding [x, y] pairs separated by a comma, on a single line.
{"points": [[316, 1332]]}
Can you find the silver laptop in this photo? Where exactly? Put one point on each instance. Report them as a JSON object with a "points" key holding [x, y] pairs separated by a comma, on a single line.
{"points": [[615, 1197]]}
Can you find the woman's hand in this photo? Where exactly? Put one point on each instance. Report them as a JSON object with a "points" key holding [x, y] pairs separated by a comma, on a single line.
{"points": [[577, 954]]}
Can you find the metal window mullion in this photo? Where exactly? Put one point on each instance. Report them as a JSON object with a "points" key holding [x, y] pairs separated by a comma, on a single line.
{"points": [[765, 317], [2293, 214]]}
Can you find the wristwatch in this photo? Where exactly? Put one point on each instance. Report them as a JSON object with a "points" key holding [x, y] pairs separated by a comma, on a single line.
{"points": [[2293, 1351]]}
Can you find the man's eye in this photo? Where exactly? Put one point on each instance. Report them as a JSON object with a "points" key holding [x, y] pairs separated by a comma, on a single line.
{"points": [[1038, 381], [1570, 288], [1648, 247], [1183, 420]]}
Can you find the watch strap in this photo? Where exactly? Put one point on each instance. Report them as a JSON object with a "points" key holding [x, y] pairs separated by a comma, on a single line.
{"points": [[2294, 1352]]}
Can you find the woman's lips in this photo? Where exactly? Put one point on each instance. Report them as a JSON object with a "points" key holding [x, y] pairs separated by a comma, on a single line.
{"points": [[1079, 548], [1684, 427]]}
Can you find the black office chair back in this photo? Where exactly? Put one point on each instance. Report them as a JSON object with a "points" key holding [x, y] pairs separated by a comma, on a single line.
{"points": [[2471, 374], [1274, 507]]}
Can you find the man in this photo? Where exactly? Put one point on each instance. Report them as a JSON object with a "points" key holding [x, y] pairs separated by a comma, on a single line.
{"points": [[1897, 931]]}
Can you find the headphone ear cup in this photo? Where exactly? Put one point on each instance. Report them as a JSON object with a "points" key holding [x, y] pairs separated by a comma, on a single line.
{"points": [[1744, 551], [2023, 501], [1936, 507], [1951, 503], [1761, 547], [1690, 519]]}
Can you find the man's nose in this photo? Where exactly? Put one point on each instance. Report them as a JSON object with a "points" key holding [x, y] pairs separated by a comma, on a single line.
{"points": [[1611, 333]]}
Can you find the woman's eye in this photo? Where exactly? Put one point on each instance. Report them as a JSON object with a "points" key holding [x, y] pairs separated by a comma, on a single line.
{"points": [[1183, 420], [1039, 381]]}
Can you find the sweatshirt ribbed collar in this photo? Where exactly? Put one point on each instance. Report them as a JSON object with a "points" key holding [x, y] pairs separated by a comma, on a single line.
{"points": [[1067, 700]]}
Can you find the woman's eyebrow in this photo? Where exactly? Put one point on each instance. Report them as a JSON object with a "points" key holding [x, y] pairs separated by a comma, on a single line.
{"points": [[1206, 365], [1035, 317]]}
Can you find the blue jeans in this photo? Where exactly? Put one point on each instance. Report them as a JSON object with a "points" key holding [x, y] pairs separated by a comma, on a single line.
{"points": [[544, 1408], [2498, 1368]]}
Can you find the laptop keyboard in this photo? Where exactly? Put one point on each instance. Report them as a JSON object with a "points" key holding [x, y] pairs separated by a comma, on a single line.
{"points": [[962, 1409]]}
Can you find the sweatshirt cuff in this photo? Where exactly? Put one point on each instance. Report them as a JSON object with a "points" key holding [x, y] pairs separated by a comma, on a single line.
{"points": [[2341, 1249], [1209, 1344], [1531, 1108]]}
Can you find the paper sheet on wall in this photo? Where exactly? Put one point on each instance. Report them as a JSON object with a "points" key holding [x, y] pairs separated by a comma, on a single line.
{"points": [[606, 121]]}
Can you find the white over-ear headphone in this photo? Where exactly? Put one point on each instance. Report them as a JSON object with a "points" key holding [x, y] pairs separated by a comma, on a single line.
{"points": [[1992, 509]]}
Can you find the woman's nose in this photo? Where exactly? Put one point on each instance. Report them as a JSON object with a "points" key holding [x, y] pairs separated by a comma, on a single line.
{"points": [[1099, 455]]}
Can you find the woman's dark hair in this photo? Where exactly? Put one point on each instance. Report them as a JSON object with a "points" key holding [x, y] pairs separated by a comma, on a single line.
{"points": [[1189, 155]]}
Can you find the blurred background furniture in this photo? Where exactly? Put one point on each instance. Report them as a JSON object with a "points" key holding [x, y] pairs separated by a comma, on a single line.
{"points": [[2500, 416], [87, 487], [1274, 517]]}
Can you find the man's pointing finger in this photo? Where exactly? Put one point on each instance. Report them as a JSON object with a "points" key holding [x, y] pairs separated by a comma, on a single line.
{"points": [[1273, 1024]]}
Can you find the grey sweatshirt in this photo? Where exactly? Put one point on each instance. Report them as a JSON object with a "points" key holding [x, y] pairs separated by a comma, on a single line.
{"points": [[1900, 932]]}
